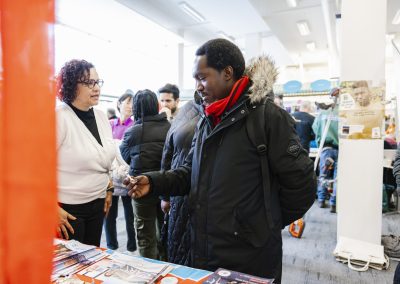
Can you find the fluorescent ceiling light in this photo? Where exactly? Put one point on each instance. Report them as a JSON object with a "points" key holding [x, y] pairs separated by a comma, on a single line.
{"points": [[396, 18], [291, 3], [303, 28], [310, 45], [191, 12]]}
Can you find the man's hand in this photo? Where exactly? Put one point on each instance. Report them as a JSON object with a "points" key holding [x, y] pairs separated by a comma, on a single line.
{"points": [[64, 226], [137, 186], [165, 206], [167, 111], [107, 202]]}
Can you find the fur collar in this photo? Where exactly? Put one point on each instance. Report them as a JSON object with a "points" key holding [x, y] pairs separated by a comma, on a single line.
{"points": [[263, 74]]}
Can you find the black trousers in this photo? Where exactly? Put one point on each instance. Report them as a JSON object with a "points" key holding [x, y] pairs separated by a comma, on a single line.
{"points": [[89, 221]]}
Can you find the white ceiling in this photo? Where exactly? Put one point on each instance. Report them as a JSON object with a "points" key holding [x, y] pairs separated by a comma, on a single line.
{"points": [[273, 20]]}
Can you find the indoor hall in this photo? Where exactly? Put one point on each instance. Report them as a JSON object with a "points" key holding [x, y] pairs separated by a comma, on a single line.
{"points": [[316, 46]]}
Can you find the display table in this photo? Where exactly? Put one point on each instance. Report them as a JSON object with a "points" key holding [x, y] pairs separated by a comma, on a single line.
{"points": [[75, 262], [184, 275]]}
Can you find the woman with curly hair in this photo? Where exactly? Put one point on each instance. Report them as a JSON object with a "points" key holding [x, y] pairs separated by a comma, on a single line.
{"points": [[86, 151]]}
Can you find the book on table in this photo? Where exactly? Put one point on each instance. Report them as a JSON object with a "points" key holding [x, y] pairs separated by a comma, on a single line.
{"points": [[225, 276]]}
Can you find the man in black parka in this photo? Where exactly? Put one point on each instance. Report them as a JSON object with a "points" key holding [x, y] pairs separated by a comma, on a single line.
{"points": [[222, 174]]}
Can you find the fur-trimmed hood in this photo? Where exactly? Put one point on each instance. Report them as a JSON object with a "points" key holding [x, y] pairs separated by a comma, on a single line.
{"points": [[262, 72]]}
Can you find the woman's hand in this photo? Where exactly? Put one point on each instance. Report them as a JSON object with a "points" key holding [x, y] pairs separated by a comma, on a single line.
{"points": [[64, 226], [108, 202]]}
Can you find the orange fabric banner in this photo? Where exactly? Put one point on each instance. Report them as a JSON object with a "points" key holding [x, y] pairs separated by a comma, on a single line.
{"points": [[28, 198]]}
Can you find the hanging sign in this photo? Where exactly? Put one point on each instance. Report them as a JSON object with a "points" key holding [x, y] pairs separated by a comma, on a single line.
{"points": [[292, 86], [321, 85]]}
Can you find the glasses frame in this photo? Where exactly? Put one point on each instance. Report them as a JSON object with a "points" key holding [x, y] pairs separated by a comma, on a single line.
{"points": [[91, 83]]}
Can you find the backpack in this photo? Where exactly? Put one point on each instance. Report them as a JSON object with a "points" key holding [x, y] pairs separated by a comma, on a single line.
{"points": [[255, 124]]}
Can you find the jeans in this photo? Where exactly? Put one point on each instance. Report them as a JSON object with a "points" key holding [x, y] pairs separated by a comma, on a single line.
{"points": [[89, 221], [110, 225], [326, 173], [148, 222]]}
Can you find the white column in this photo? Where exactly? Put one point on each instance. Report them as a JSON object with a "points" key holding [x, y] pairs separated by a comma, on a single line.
{"points": [[181, 54], [396, 71], [359, 196], [333, 54]]}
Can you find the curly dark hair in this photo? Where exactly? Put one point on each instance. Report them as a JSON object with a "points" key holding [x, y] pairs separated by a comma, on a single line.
{"points": [[145, 103], [67, 80], [221, 53]]}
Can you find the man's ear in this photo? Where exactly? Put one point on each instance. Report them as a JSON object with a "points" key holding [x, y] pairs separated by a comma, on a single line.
{"points": [[228, 73]]}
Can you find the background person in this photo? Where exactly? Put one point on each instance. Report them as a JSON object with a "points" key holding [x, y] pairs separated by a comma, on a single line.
{"points": [[236, 215], [169, 100], [119, 127], [142, 148], [177, 146], [111, 113], [85, 153], [329, 154], [304, 122]]}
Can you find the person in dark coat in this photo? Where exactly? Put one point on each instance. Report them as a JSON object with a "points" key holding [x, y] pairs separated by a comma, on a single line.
{"points": [[235, 224], [176, 148], [142, 148], [304, 122]]}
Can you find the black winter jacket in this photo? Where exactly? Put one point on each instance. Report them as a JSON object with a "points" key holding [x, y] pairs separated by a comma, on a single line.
{"points": [[177, 146], [143, 144], [304, 128], [223, 172]]}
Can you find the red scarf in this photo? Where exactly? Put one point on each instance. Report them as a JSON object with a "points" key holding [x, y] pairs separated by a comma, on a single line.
{"points": [[216, 109]]}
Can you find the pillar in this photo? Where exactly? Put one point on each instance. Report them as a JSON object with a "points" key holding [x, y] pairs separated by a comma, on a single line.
{"points": [[28, 196], [359, 196]]}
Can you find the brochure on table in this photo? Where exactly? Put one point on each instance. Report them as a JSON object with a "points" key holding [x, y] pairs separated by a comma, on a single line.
{"points": [[74, 261]]}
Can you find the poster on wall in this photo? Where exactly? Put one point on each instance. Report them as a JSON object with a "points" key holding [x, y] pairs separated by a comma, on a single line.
{"points": [[361, 110]]}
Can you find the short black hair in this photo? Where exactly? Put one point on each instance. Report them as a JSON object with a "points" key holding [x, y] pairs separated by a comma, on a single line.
{"points": [[145, 103], [170, 88], [70, 74], [122, 98], [221, 53], [111, 112]]}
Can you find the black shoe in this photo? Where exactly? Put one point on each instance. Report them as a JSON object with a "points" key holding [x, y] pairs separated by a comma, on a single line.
{"points": [[321, 204], [333, 209]]}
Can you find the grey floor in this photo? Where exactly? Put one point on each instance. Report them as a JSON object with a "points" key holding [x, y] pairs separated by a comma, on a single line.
{"points": [[309, 259]]}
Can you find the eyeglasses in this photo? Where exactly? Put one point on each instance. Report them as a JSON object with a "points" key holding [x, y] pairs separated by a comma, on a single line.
{"points": [[91, 83]]}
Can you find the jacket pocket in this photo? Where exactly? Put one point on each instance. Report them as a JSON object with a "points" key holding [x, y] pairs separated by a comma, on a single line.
{"points": [[252, 227]]}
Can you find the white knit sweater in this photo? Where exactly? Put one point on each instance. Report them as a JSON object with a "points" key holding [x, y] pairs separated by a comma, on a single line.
{"points": [[83, 164]]}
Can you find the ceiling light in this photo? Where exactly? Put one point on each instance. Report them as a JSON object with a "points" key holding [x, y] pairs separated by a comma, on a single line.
{"points": [[303, 28], [310, 45], [291, 3], [396, 18], [191, 12]]}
